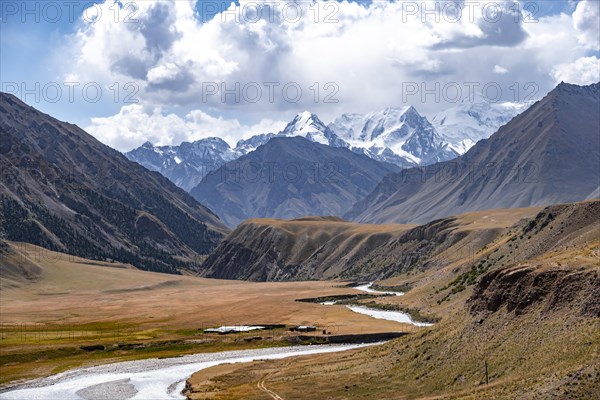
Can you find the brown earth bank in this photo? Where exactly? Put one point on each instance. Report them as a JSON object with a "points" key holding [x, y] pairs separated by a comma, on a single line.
{"points": [[525, 305]]}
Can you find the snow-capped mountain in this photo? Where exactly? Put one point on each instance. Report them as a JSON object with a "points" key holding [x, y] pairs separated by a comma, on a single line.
{"points": [[186, 164], [398, 135], [309, 126], [245, 146], [304, 124], [469, 122]]}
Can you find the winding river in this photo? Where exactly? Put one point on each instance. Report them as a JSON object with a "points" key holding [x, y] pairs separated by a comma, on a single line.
{"points": [[165, 378], [367, 288], [397, 316], [155, 379]]}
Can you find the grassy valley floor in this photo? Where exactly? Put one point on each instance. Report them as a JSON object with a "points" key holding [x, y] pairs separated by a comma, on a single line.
{"points": [[60, 312], [525, 302]]}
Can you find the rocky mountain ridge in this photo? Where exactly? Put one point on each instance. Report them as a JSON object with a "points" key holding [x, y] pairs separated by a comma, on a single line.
{"points": [[62, 189]]}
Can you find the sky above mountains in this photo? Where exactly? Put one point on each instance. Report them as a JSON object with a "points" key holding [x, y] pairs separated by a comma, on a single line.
{"points": [[169, 71]]}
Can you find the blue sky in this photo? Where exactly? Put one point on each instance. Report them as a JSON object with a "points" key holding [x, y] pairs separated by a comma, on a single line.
{"points": [[344, 57]]}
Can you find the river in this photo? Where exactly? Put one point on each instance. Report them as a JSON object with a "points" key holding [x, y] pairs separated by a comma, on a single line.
{"points": [[367, 288], [155, 379]]}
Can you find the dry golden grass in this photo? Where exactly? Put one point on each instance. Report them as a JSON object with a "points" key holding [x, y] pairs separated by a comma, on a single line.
{"points": [[491, 219], [72, 302], [76, 291]]}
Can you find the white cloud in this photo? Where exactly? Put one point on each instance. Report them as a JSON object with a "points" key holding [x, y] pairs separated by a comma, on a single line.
{"points": [[364, 54], [134, 125], [583, 71], [586, 20]]}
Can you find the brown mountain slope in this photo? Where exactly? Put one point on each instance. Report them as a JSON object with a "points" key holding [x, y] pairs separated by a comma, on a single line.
{"points": [[62, 189], [527, 305], [23, 264], [318, 248], [308, 248], [549, 154], [290, 177]]}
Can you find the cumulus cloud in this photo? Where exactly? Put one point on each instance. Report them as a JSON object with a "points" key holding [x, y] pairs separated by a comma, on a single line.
{"points": [[328, 57], [481, 23], [134, 125], [583, 71], [586, 20]]}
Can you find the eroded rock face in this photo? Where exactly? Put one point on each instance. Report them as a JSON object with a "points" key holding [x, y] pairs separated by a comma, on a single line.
{"points": [[552, 262], [521, 287]]}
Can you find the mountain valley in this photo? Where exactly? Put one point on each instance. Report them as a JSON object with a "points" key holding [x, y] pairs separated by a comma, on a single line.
{"points": [[496, 279]]}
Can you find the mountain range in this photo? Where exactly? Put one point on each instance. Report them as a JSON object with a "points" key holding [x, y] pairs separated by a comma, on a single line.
{"points": [[290, 177], [549, 154], [399, 136], [62, 189], [546, 155]]}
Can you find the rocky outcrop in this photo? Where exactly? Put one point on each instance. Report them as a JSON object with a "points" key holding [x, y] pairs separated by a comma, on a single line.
{"points": [[522, 287], [551, 260]]}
